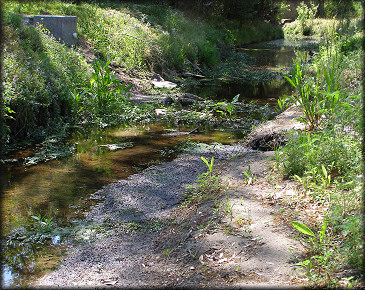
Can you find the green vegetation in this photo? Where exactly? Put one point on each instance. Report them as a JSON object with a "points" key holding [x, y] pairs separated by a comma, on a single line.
{"points": [[327, 159], [208, 185], [39, 74], [49, 87], [339, 15]]}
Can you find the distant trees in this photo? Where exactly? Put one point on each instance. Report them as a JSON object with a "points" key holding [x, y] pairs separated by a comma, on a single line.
{"points": [[233, 10]]}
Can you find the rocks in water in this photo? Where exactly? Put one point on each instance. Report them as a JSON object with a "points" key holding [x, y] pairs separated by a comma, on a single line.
{"points": [[188, 99], [183, 100], [118, 146], [168, 101]]}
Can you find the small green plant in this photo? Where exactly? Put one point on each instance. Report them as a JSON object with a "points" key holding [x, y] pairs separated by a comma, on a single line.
{"points": [[208, 185], [229, 208], [249, 175], [167, 251], [303, 181], [224, 108], [305, 14], [42, 223], [315, 244], [326, 179], [209, 165], [277, 157], [308, 98]]}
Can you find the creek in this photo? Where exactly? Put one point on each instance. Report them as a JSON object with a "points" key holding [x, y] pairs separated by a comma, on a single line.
{"points": [[60, 189]]}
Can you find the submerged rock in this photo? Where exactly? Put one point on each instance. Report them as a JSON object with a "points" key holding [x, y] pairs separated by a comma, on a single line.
{"points": [[118, 146], [189, 99]]}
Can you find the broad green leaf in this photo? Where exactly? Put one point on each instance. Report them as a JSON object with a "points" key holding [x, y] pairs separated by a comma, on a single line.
{"points": [[303, 228], [211, 163], [324, 171], [205, 161], [290, 81], [235, 99]]}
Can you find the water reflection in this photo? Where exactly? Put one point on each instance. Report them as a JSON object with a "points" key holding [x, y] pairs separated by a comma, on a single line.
{"points": [[264, 92], [59, 188], [51, 188]]}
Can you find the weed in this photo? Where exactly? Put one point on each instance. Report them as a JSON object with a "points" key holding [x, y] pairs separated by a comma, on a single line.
{"points": [[42, 223], [229, 208], [167, 251], [224, 108], [326, 159], [106, 93], [208, 185], [305, 14], [209, 165], [309, 99], [249, 175], [315, 244]]}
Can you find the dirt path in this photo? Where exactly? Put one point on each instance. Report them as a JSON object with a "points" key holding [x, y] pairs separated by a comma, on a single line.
{"points": [[139, 235]]}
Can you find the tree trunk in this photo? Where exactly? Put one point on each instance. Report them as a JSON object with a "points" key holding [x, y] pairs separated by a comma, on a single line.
{"points": [[320, 13]]}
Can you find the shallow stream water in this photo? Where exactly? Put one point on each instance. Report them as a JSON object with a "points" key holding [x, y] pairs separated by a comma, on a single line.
{"points": [[59, 189]]}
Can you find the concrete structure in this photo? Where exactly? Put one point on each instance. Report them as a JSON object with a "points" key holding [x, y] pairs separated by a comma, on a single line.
{"points": [[63, 28]]}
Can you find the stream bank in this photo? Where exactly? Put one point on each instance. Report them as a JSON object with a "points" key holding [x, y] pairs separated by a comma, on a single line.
{"points": [[140, 236]]}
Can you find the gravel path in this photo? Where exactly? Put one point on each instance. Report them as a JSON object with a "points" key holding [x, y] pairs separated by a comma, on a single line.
{"points": [[149, 195], [228, 241]]}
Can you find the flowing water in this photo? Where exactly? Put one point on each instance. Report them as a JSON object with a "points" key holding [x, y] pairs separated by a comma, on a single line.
{"points": [[60, 188]]}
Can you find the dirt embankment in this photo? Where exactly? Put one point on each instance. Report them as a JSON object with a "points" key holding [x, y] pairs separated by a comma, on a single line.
{"points": [[140, 235]]}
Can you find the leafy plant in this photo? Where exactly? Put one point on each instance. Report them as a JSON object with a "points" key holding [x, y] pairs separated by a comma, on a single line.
{"points": [[306, 13], [249, 175], [209, 165], [326, 179], [208, 185], [224, 108], [315, 244], [308, 99], [229, 207], [42, 223], [106, 92]]}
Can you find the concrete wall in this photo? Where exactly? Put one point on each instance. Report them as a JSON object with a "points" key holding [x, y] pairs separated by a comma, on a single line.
{"points": [[63, 28]]}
